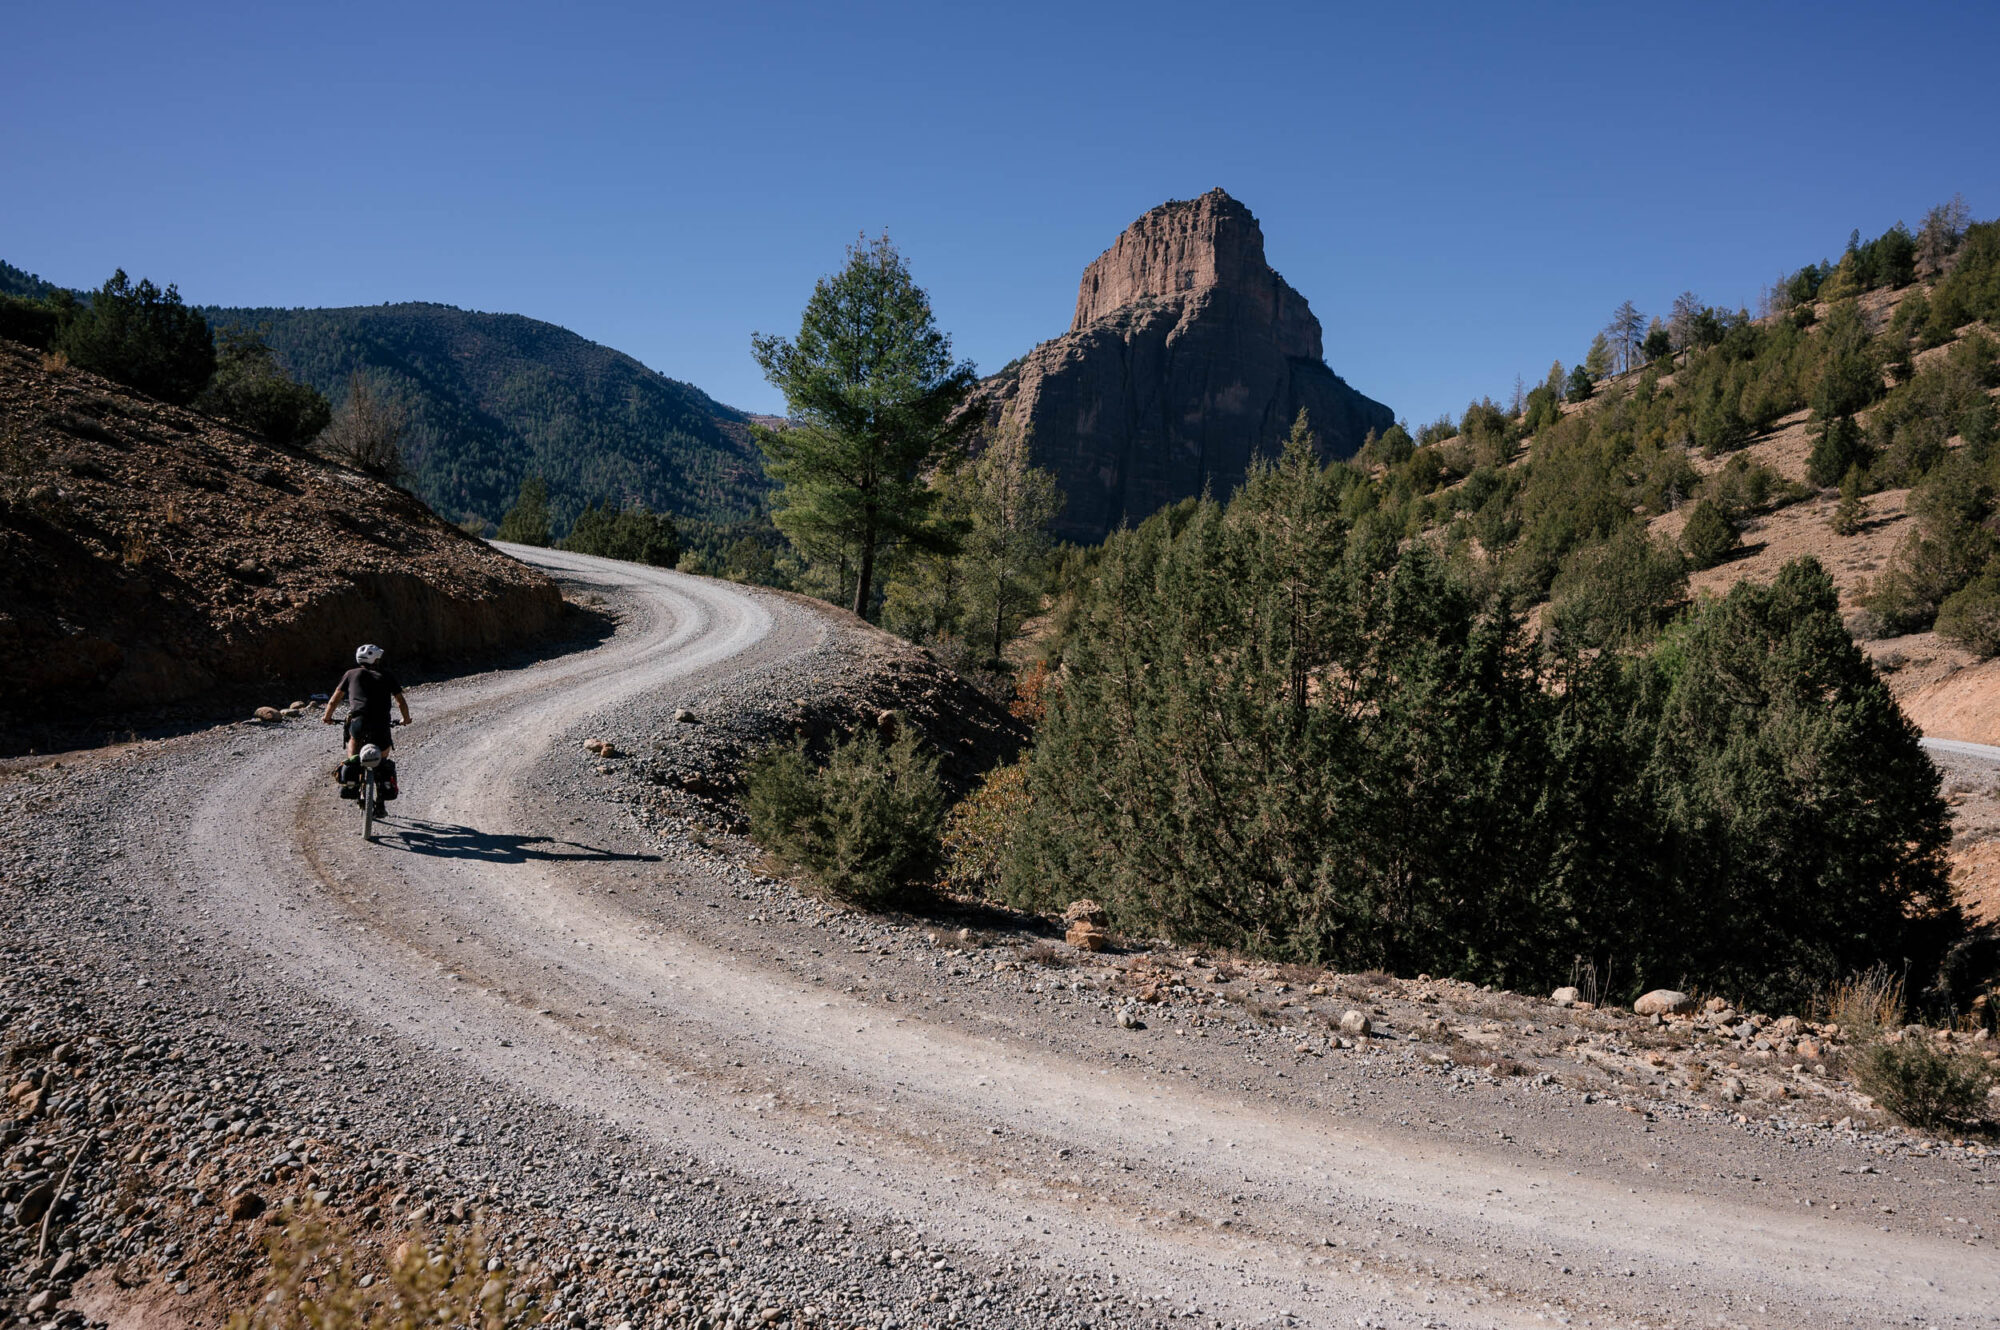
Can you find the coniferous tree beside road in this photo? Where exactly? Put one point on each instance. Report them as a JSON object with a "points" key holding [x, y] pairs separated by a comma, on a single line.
{"points": [[872, 388]]}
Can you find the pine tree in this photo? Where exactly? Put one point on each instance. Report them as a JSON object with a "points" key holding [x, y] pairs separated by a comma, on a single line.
{"points": [[1709, 536], [873, 391], [1658, 343], [249, 388], [1625, 332], [1943, 228], [142, 336], [527, 522], [1847, 517], [1011, 503], [1597, 361], [1682, 321]]}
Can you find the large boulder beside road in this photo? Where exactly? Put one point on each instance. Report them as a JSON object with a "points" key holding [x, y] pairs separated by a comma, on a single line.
{"points": [[1664, 1002]]}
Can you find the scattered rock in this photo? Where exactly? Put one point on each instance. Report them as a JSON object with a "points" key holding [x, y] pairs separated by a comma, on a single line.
{"points": [[268, 714], [245, 1205], [686, 717], [1087, 936], [1664, 1002], [1716, 1004], [1566, 997], [34, 1205], [1128, 1019], [602, 747], [1731, 1089], [1086, 912], [1355, 1022]]}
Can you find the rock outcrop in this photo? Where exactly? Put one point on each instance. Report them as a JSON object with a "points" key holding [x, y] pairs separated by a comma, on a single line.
{"points": [[1188, 355], [150, 554]]}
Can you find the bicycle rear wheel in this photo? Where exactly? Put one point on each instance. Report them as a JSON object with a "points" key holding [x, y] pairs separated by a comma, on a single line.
{"points": [[368, 806]]}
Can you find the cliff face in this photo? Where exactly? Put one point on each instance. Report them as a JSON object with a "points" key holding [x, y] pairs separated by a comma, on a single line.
{"points": [[150, 554], [1188, 355]]}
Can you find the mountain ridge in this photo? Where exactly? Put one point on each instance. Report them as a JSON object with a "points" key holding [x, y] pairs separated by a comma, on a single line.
{"points": [[1188, 355], [496, 397]]}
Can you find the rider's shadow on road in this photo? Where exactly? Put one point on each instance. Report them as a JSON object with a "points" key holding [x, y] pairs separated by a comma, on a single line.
{"points": [[446, 841]]}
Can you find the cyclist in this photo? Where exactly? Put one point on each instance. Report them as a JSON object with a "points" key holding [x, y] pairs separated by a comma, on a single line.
{"points": [[368, 689]]}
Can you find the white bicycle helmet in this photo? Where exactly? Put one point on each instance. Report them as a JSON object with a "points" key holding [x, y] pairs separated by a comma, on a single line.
{"points": [[368, 655]]}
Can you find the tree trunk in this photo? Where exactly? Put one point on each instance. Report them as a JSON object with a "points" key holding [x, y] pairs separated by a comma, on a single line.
{"points": [[866, 574]]}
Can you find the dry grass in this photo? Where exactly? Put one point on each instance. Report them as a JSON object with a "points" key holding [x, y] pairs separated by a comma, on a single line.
{"points": [[1468, 1054], [1258, 1010], [315, 1284], [1053, 955], [1864, 1002]]}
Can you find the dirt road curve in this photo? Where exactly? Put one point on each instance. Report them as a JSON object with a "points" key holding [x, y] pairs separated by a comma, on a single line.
{"points": [[507, 926]]}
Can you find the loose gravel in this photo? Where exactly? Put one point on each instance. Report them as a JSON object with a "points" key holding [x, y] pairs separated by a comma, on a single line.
{"points": [[679, 1090]]}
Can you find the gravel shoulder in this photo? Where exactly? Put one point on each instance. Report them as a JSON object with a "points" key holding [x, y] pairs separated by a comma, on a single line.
{"points": [[562, 991]]}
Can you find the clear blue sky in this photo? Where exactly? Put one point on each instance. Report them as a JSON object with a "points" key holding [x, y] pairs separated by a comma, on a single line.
{"points": [[1463, 192]]}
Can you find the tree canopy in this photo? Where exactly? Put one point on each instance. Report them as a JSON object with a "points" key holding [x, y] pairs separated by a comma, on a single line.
{"points": [[142, 336], [873, 391]]}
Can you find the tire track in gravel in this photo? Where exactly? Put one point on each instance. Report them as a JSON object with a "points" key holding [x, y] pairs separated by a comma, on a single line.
{"points": [[478, 928]]}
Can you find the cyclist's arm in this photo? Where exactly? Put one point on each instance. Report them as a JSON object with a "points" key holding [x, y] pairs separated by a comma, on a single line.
{"points": [[326, 717], [403, 704]]}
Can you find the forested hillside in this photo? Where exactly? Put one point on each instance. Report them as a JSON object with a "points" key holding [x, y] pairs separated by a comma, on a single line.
{"points": [[1573, 676], [495, 398], [14, 282]]}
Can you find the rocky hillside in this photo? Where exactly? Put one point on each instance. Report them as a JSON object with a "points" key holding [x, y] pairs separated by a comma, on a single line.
{"points": [[1187, 356], [150, 554], [494, 398]]}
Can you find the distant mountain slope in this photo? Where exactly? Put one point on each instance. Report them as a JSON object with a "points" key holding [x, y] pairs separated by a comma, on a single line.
{"points": [[151, 554], [494, 398], [14, 282]]}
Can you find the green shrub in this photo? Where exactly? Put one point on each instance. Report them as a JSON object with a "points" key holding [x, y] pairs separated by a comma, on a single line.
{"points": [[33, 322], [1709, 536], [1948, 547], [1926, 1086], [1837, 449], [527, 522], [250, 389], [141, 336], [1846, 520], [978, 829], [1282, 731], [634, 533], [1970, 616], [864, 826], [1619, 592]]}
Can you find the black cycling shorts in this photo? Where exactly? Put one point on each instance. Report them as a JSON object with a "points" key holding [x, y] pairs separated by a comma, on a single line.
{"points": [[363, 730]]}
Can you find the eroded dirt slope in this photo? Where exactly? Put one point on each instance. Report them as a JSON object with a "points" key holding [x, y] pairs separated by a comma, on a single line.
{"points": [[149, 553]]}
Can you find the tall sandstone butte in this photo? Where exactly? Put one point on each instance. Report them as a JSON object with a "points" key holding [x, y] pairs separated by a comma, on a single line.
{"points": [[1188, 355]]}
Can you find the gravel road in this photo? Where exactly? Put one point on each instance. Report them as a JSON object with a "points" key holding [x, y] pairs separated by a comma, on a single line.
{"points": [[590, 999]]}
